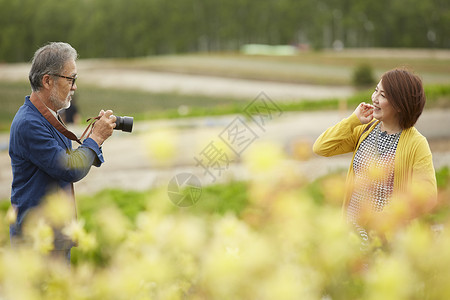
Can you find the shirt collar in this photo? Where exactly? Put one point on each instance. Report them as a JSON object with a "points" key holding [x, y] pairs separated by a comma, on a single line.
{"points": [[54, 113]]}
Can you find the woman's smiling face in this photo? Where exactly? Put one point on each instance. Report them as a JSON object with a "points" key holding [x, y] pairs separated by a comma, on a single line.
{"points": [[383, 110]]}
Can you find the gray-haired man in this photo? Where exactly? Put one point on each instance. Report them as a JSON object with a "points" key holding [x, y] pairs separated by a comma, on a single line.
{"points": [[42, 157]]}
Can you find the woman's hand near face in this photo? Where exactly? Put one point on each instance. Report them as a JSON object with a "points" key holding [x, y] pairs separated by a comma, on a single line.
{"points": [[364, 112]]}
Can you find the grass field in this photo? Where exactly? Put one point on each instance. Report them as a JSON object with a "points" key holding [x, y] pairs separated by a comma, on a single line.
{"points": [[141, 105], [324, 67], [145, 106], [321, 68]]}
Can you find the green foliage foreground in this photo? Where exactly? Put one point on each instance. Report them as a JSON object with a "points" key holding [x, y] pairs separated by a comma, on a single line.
{"points": [[275, 237]]}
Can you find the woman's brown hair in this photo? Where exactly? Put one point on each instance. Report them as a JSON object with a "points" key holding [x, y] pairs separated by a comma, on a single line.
{"points": [[404, 91]]}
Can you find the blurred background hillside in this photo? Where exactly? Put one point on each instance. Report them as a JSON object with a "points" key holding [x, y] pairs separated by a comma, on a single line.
{"points": [[118, 28]]}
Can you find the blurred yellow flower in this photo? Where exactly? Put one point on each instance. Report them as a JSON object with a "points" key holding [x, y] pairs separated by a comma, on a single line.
{"points": [[339, 247], [415, 241], [302, 150], [87, 242], [74, 229], [285, 244], [263, 157], [113, 225], [23, 269], [290, 282], [188, 235], [11, 215], [391, 279], [161, 145], [42, 236], [58, 208], [333, 188]]}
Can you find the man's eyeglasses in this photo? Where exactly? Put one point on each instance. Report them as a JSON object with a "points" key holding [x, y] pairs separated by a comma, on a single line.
{"points": [[70, 78]]}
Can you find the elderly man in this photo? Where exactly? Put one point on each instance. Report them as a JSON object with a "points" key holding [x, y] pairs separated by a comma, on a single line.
{"points": [[42, 157]]}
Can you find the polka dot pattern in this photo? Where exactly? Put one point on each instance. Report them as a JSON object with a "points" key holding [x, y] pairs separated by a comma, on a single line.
{"points": [[373, 167]]}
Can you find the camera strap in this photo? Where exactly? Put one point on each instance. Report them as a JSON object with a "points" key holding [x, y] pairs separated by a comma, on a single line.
{"points": [[61, 127], [58, 123]]}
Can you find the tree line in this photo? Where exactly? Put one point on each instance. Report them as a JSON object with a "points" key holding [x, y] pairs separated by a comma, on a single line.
{"points": [[120, 28]]}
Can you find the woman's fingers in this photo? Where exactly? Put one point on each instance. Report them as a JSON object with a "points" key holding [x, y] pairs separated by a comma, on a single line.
{"points": [[367, 109], [366, 106]]}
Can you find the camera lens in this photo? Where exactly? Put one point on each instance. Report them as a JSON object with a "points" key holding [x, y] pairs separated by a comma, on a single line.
{"points": [[124, 123]]}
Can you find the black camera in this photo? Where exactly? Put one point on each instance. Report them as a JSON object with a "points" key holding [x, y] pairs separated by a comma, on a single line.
{"points": [[124, 123]]}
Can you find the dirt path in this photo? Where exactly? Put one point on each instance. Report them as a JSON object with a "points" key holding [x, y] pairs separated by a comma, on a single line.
{"points": [[211, 86], [130, 164], [92, 72]]}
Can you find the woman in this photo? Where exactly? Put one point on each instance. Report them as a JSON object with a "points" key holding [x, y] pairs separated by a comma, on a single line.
{"points": [[392, 162]]}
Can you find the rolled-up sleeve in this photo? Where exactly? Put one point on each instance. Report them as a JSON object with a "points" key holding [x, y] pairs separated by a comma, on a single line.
{"points": [[91, 144]]}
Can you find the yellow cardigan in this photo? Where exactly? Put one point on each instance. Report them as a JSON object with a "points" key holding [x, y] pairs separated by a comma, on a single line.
{"points": [[413, 168]]}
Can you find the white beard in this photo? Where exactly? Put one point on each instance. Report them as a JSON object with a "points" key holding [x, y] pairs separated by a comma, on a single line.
{"points": [[68, 105], [57, 104]]}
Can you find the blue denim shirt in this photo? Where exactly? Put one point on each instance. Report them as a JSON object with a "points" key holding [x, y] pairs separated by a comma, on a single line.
{"points": [[42, 159]]}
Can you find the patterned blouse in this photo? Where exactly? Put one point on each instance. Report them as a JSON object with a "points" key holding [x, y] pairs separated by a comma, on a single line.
{"points": [[374, 176]]}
